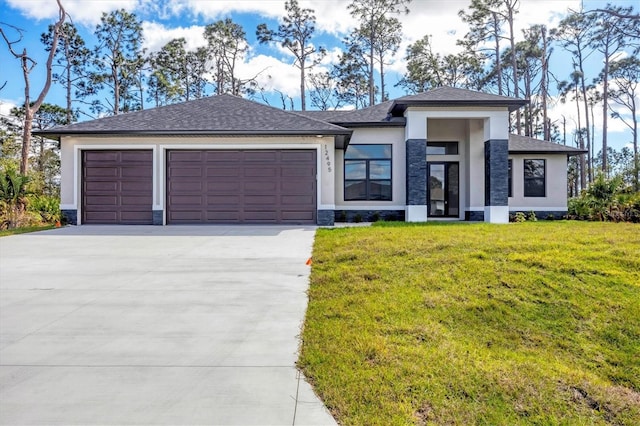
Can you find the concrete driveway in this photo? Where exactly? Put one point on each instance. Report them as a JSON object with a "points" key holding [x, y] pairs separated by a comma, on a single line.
{"points": [[155, 325]]}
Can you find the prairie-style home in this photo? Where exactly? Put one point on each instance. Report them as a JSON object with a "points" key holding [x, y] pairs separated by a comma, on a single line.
{"points": [[443, 154]]}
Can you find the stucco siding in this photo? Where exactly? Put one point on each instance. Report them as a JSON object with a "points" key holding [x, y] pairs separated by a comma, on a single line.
{"points": [[393, 136], [71, 148], [555, 184]]}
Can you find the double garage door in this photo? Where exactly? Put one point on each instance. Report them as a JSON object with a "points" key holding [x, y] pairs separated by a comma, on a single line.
{"points": [[203, 186]]}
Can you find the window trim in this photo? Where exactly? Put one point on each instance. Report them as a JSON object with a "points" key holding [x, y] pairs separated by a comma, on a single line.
{"points": [[526, 179], [367, 180]]}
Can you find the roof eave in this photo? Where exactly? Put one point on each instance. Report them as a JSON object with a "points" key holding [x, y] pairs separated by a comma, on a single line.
{"points": [[57, 134], [513, 105], [548, 151]]}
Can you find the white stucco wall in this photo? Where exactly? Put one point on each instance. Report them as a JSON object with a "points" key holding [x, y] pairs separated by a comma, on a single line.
{"points": [[394, 136], [556, 184], [71, 147]]}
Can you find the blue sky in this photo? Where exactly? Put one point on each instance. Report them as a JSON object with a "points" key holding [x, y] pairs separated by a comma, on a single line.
{"points": [[167, 19]]}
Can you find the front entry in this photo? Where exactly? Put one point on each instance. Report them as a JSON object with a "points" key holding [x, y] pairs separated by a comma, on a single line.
{"points": [[443, 189]]}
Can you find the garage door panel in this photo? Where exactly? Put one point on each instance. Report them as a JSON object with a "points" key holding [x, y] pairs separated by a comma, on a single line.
{"points": [[96, 186], [104, 172], [261, 172], [263, 156], [117, 187], [224, 170], [223, 216], [236, 186], [222, 156], [300, 200], [191, 171], [260, 186], [298, 156], [101, 201], [177, 156], [296, 216]]}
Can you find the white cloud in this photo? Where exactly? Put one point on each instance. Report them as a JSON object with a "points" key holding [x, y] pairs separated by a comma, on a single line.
{"points": [[5, 106], [157, 35], [80, 11]]}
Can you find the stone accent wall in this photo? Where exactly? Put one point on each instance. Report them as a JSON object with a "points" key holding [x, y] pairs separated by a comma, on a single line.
{"points": [[157, 217], [325, 218], [474, 216], [416, 172], [496, 172], [69, 216], [368, 215]]}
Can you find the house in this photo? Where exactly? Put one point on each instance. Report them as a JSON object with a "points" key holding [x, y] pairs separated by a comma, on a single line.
{"points": [[446, 153]]}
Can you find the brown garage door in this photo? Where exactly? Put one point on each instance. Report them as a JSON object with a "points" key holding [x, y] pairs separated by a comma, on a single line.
{"points": [[117, 187], [243, 186]]}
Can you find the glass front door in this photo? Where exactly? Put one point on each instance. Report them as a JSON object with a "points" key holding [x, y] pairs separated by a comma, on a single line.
{"points": [[443, 183]]}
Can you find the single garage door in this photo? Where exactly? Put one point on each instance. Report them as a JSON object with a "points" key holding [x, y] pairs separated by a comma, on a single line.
{"points": [[241, 186], [117, 187]]}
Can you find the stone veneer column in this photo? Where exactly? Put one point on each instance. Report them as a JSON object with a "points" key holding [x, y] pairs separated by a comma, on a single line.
{"points": [[416, 150], [325, 218], [496, 181]]}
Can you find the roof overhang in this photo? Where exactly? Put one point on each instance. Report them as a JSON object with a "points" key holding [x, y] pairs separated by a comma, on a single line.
{"points": [[56, 135], [399, 107]]}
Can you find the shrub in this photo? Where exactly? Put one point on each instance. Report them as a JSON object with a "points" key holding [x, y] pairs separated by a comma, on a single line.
{"points": [[48, 208], [606, 200]]}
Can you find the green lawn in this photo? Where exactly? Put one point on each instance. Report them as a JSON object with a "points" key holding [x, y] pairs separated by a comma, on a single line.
{"points": [[24, 230], [527, 323]]}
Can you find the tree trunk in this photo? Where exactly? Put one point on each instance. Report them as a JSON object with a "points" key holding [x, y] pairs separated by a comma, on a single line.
{"points": [[581, 162], [116, 90], [605, 107], [544, 86], [372, 94], [514, 66], [496, 35], [303, 103]]}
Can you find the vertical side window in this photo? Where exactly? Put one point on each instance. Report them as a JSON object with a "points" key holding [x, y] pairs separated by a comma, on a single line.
{"points": [[535, 178], [510, 183]]}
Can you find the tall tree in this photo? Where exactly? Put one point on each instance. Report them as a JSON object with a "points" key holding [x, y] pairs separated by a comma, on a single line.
{"points": [[177, 72], [45, 158], [611, 35], [118, 57], [72, 56], [484, 35], [626, 76], [573, 35], [227, 45], [322, 91], [294, 34], [567, 88], [351, 72], [379, 33], [27, 64], [427, 69]]}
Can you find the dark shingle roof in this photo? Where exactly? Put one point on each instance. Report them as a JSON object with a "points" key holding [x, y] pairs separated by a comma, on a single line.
{"points": [[528, 145], [218, 115], [376, 115], [453, 96]]}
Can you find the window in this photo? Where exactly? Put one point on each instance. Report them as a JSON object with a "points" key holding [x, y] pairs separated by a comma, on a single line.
{"points": [[442, 148], [534, 178], [367, 172], [510, 177]]}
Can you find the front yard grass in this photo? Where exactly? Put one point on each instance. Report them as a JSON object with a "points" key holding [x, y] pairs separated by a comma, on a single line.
{"points": [[24, 230], [528, 323]]}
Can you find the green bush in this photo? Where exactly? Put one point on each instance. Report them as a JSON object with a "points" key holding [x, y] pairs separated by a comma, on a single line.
{"points": [[606, 200], [47, 207]]}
